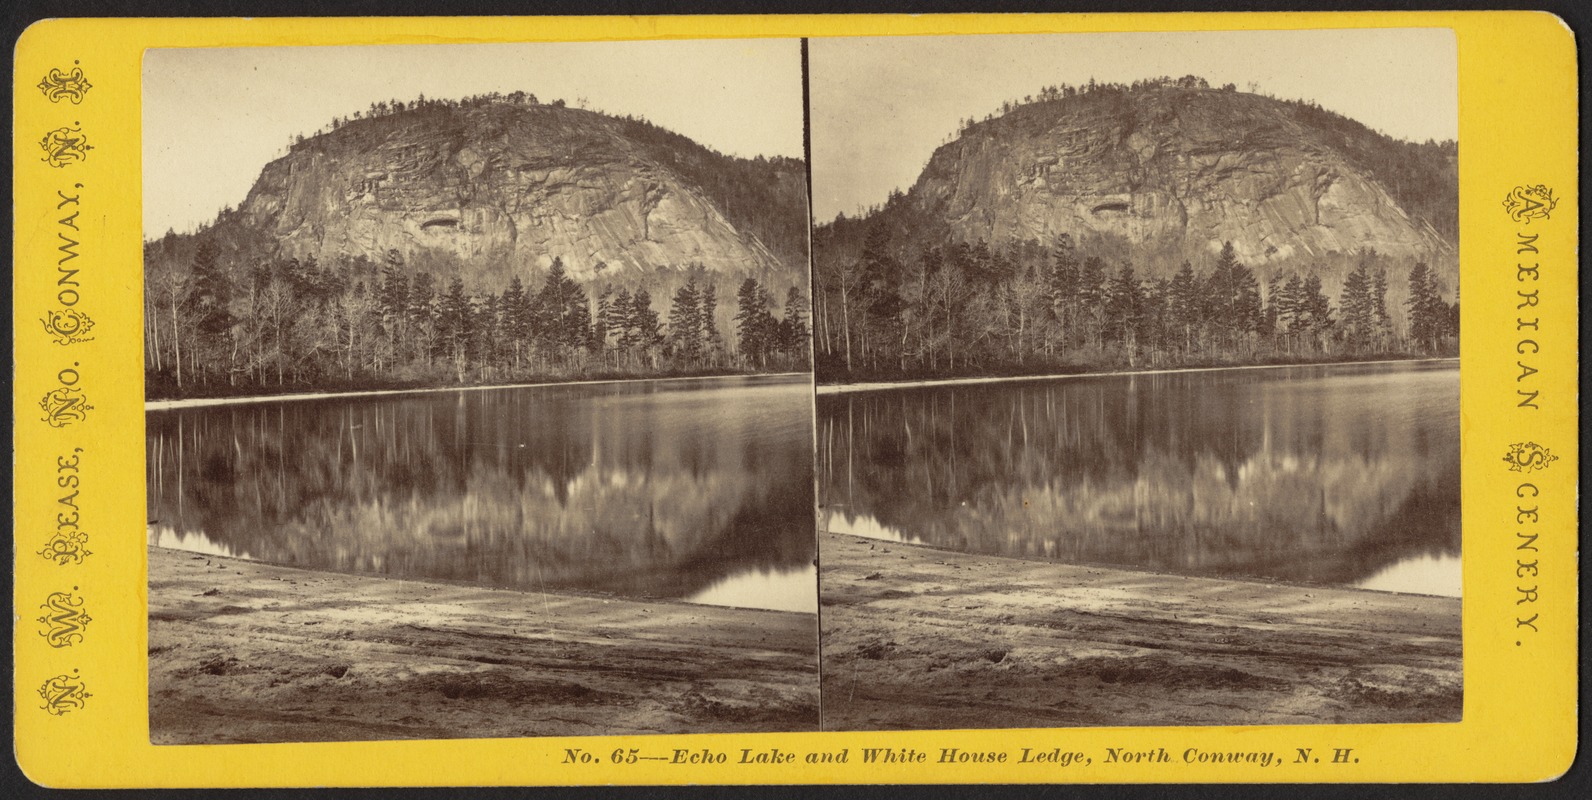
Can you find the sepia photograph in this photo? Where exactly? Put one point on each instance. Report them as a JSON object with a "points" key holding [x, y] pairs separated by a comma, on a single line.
{"points": [[1138, 378], [479, 395], [749, 400]]}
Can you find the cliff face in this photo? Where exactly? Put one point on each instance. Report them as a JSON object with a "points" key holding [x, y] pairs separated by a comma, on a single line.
{"points": [[511, 185], [1180, 170]]}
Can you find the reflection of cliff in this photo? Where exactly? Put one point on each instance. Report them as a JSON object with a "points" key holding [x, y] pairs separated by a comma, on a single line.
{"points": [[620, 489], [1315, 474]]}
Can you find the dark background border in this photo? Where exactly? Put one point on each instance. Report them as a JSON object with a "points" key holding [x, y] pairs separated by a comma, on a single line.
{"points": [[18, 14]]}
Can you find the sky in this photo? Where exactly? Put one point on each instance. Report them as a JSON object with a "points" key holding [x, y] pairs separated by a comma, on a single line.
{"points": [[880, 106], [213, 118]]}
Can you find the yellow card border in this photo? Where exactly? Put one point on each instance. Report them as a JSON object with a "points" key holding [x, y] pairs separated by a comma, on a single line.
{"points": [[81, 710]]}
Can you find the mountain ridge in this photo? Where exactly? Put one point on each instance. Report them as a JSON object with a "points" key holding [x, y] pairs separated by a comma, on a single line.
{"points": [[1173, 170], [489, 239], [504, 186], [1163, 223]]}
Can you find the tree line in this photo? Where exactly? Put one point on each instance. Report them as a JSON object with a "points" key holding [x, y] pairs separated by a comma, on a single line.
{"points": [[284, 323], [972, 308]]}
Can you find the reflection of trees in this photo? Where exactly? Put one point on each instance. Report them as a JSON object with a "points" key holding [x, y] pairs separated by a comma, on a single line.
{"points": [[621, 488], [1309, 474]]}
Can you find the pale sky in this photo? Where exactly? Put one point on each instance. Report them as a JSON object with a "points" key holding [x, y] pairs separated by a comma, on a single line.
{"points": [[213, 118], [880, 106]]}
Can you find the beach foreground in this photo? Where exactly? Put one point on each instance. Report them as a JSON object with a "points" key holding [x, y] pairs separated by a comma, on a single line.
{"points": [[248, 652], [917, 638]]}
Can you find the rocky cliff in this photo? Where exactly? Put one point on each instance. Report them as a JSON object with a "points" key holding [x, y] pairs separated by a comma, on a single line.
{"points": [[1172, 173], [500, 187]]}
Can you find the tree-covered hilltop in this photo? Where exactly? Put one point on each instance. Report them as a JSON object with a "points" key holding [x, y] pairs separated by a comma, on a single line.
{"points": [[1154, 224], [489, 239], [1423, 177], [761, 195], [288, 325]]}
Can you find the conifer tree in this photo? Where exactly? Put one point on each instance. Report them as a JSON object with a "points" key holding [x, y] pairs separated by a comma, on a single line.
{"points": [[753, 322], [455, 322], [644, 321], [685, 323], [423, 316], [1384, 325], [711, 340], [621, 320], [1124, 302], [1183, 304], [1427, 311], [795, 324], [516, 322], [1357, 309], [209, 305], [1090, 294], [600, 321]]}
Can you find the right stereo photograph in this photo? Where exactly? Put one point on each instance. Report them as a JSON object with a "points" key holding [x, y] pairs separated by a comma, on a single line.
{"points": [[1138, 388]]}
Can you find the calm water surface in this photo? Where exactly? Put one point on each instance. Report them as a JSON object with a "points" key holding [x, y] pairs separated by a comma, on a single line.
{"points": [[696, 490], [1342, 475]]}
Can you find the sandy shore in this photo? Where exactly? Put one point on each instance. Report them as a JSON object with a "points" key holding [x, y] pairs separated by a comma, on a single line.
{"points": [[247, 652], [873, 386], [196, 402], [920, 638]]}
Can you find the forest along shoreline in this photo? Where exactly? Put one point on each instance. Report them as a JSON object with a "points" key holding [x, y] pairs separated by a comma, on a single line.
{"points": [[255, 652], [908, 383], [915, 637], [195, 402]]}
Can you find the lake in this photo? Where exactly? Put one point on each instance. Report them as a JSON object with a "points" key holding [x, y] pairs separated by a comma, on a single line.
{"points": [[696, 490], [1344, 475]]}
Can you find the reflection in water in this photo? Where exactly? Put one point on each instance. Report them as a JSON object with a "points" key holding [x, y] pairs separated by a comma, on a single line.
{"points": [[781, 590], [1316, 474], [191, 541], [644, 489], [1419, 574], [866, 525]]}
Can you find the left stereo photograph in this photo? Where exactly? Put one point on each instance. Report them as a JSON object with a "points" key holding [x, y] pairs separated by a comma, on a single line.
{"points": [[479, 394]]}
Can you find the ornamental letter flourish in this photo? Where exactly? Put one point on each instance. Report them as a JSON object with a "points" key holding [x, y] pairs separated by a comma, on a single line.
{"points": [[68, 326], [1528, 456], [60, 85], [64, 406], [63, 614], [1526, 203], [64, 146], [63, 693], [67, 547]]}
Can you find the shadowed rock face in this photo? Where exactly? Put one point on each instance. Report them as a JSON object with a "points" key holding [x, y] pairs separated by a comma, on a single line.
{"points": [[516, 184], [1176, 170]]}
